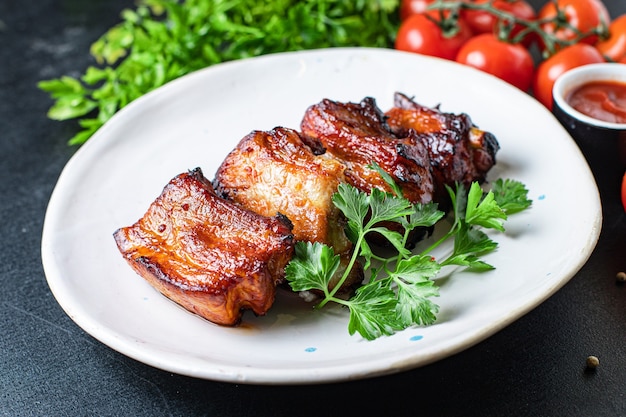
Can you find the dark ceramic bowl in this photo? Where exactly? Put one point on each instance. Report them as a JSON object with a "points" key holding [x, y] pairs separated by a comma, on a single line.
{"points": [[602, 143]]}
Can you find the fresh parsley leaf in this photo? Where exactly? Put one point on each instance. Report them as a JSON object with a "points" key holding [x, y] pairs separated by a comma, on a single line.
{"points": [[373, 310], [413, 277], [416, 269], [395, 188], [70, 106], [63, 87], [387, 207], [483, 210], [511, 195], [353, 203], [396, 239], [468, 244], [423, 215], [312, 267], [458, 199], [366, 212], [414, 305]]}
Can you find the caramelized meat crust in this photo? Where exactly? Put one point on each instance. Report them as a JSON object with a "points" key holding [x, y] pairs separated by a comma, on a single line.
{"points": [[275, 172], [207, 254], [458, 150], [357, 135]]}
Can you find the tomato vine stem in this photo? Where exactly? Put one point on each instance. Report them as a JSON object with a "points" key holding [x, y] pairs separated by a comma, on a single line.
{"points": [[550, 42]]}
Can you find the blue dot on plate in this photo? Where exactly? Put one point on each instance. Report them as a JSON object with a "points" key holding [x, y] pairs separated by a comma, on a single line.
{"points": [[541, 197], [310, 349], [416, 338]]}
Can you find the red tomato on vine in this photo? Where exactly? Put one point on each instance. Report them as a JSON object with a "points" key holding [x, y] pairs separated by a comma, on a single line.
{"points": [[482, 21], [509, 62], [423, 34], [411, 7], [567, 19]]}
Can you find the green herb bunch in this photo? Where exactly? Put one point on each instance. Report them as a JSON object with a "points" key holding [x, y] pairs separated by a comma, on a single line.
{"points": [[162, 40], [400, 287]]}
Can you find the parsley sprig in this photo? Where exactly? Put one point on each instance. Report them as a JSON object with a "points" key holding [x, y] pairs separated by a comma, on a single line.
{"points": [[162, 40], [399, 290]]}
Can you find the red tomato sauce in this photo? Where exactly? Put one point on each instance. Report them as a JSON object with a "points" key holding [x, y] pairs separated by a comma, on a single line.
{"points": [[602, 100]]}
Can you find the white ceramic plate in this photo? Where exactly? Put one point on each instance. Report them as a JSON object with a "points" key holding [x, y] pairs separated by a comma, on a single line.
{"points": [[196, 120]]}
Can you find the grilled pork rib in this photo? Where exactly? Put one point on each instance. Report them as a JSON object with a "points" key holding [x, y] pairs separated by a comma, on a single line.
{"points": [[357, 135], [208, 254], [274, 173], [458, 151]]}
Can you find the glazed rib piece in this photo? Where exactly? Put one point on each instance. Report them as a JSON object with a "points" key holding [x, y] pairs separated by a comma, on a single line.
{"points": [[275, 172], [357, 135], [458, 150], [207, 254]]}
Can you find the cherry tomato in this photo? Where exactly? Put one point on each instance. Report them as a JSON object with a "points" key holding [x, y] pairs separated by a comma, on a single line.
{"points": [[411, 7], [624, 191], [614, 47], [481, 21], [510, 62], [420, 33], [582, 15], [567, 58]]}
